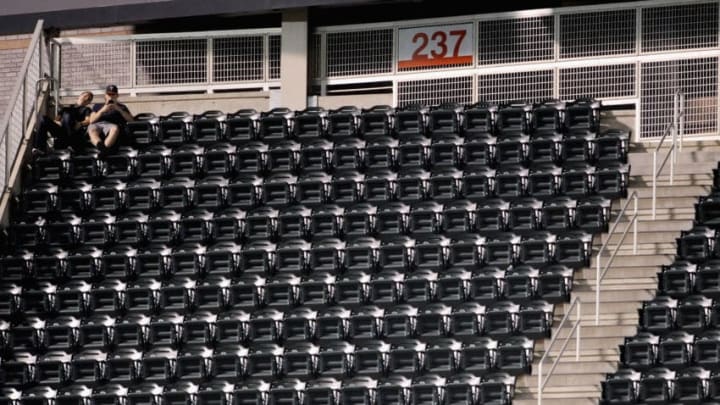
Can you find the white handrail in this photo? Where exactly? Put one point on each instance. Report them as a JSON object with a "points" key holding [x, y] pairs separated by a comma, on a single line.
{"points": [[19, 90], [600, 274], [576, 327], [676, 127]]}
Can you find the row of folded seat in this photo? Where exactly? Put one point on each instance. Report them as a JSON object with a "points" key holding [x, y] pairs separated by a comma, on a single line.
{"points": [[354, 285], [305, 361], [459, 217], [675, 355], [482, 121], [459, 389], [400, 253], [150, 296], [410, 187], [257, 158]]}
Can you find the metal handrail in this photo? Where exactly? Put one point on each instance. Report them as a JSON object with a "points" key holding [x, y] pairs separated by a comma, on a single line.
{"points": [[676, 127], [18, 90], [576, 327], [600, 274]]}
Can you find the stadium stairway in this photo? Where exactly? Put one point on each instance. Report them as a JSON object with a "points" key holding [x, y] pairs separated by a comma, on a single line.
{"points": [[631, 279]]}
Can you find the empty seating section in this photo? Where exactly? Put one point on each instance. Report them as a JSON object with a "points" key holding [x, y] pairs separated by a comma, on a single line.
{"points": [[675, 355], [353, 256]]}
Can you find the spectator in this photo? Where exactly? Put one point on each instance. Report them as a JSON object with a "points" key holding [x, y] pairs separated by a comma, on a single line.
{"points": [[69, 132], [108, 120]]}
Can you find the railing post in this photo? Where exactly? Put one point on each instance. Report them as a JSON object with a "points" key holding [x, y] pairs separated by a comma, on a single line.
{"points": [[682, 119], [654, 182], [635, 224], [577, 334], [597, 287], [539, 385]]}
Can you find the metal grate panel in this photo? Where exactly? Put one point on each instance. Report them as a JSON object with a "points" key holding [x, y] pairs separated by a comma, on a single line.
{"points": [[435, 91], [697, 78], [516, 40], [597, 34], [274, 57], [87, 66], [171, 62], [238, 59], [516, 86], [359, 52], [680, 27], [602, 82]]}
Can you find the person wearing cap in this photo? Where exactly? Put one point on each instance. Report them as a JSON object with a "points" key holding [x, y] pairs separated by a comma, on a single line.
{"points": [[108, 120], [66, 130]]}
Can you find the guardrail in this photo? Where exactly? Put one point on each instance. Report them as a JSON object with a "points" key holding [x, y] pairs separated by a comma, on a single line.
{"points": [[22, 103], [676, 127], [575, 328], [175, 62], [600, 273]]}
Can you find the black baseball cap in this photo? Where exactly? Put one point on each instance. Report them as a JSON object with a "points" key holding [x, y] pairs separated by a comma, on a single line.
{"points": [[111, 88]]}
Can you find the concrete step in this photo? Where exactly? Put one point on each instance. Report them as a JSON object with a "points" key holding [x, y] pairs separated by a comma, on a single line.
{"points": [[614, 273], [567, 395], [643, 237], [670, 191], [668, 202], [559, 380]]}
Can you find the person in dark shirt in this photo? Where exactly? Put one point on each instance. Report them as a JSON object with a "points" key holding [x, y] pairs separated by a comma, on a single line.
{"points": [[108, 120], [69, 130]]}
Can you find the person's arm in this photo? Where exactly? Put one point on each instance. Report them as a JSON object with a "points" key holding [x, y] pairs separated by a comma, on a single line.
{"points": [[86, 121], [95, 115], [126, 113]]}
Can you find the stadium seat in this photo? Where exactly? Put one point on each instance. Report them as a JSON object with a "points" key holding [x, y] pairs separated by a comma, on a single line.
{"points": [[707, 279], [501, 319], [186, 160], [220, 159], [54, 167], [582, 116], [675, 350], [449, 150], [276, 125], [142, 131], [207, 128], [257, 257], [411, 120], [497, 388], [175, 128], [332, 324], [559, 214], [313, 189], [377, 121], [120, 164], [657, 385], [310, 124], [413, 152], [446, 118], [658, 315], [555, 283], [343, 122], [697, 244], [515, 355], [192, 365], [479, 121], [242, 126], [622, 387], [316, 155], [694, 313], [513, 120], [154, 162]]}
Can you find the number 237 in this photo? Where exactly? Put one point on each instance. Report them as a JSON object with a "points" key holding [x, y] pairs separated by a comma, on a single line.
{"points": [[440, 42]]}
